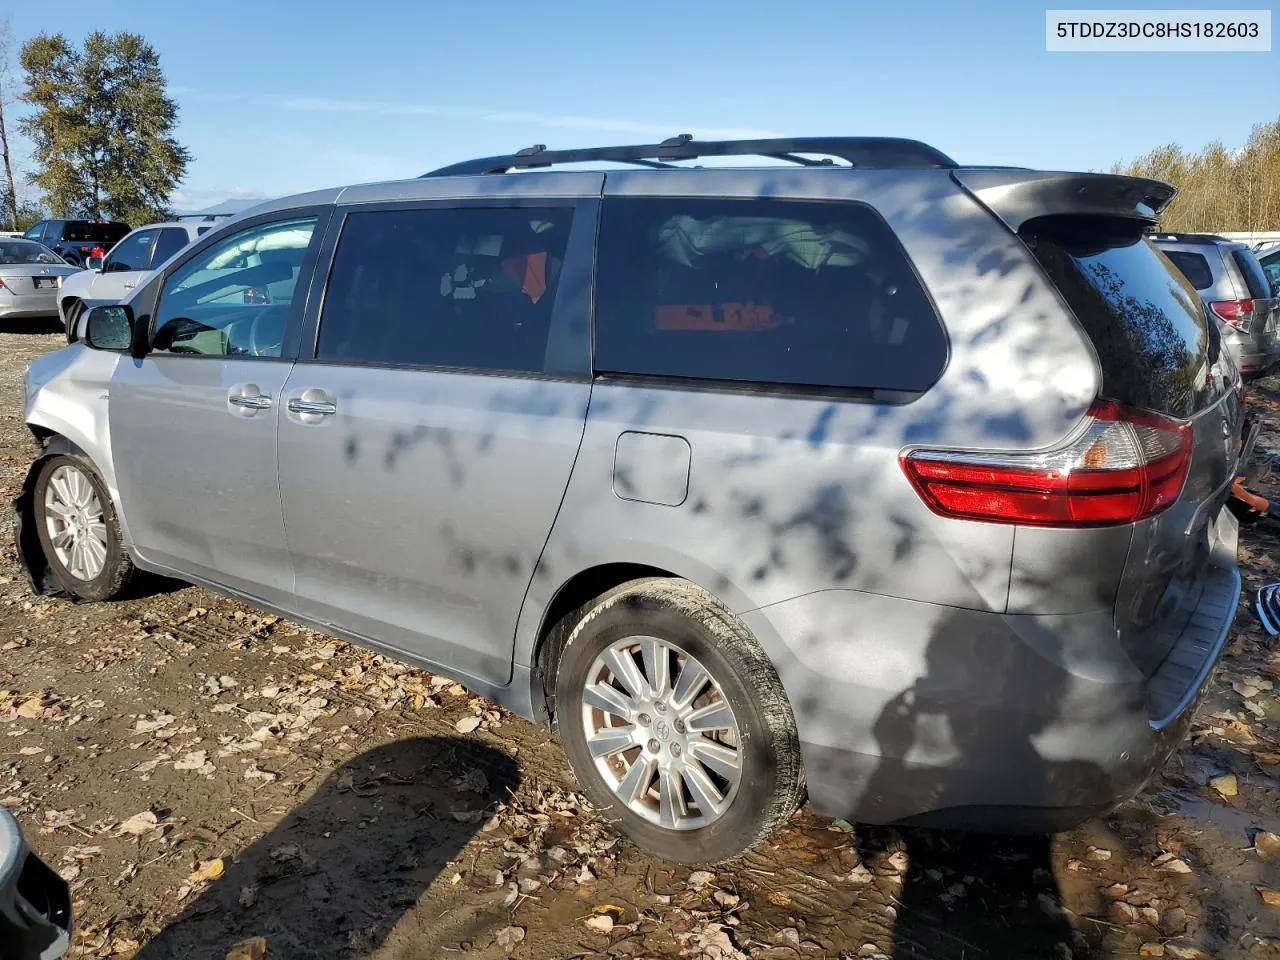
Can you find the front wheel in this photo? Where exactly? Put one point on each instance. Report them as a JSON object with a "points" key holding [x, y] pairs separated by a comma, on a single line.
{"points": [[675, 722], [78, 532]]}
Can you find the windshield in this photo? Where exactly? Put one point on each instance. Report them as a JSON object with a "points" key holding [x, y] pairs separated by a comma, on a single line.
{"points": [[24, 251]]}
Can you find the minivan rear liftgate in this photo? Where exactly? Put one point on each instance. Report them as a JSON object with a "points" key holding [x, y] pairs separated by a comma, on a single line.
{"points": [[1164, 363]]}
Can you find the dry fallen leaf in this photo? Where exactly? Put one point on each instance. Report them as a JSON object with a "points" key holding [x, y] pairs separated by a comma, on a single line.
{"points": [[139, 824], [1225, 785], [600, 924], [191, 614], [699, 879], [255, 948], [1269, 896], [508, 937], [467, 724], [1267, 845], [196, 760], [207, 870], [780, 898], [610, 909], [30, 751]]}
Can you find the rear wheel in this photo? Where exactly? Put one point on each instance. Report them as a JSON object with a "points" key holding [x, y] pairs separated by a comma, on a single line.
{"points": [[76, 523], [676, 724]]}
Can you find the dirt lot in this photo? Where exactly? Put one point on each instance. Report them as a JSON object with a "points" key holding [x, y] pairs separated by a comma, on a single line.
{"points": [[203, 774]]}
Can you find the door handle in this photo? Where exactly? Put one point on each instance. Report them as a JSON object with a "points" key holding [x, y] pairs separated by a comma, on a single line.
{"points": [[256, 401], [322, 407], [128, 286]]}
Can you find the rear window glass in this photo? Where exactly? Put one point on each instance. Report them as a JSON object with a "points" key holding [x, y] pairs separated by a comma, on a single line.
{"points": [[97, 232], [1145, 319], [1251, 270], [1193, 266], [761, 291]]}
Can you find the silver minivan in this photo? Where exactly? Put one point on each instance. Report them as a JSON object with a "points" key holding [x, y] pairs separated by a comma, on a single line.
{"points": [[873, 478]]}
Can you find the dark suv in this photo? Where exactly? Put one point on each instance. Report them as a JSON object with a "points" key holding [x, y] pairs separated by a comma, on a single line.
{"points": [[78, 240]]}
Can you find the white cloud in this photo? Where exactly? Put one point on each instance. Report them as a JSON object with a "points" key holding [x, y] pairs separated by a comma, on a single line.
{"points": [[397, 108]]}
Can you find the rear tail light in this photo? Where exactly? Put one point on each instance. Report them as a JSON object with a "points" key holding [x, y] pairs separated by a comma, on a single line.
{"points": [[1125, 465], [1238, 313]]}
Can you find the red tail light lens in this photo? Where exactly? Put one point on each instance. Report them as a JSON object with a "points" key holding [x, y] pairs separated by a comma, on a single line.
{"points": [[1238, 313], [1126, 464]]}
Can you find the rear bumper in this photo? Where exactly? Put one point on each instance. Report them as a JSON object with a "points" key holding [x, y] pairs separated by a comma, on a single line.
{"points": [[30, 306], [913, 713], [1255, 354]]}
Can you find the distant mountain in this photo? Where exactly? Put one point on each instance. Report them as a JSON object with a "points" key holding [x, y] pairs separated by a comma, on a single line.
{"points": [[234, 205]]}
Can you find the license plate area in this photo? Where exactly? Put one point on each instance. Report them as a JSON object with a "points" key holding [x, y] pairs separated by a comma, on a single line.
{"points": [[45, 283]]}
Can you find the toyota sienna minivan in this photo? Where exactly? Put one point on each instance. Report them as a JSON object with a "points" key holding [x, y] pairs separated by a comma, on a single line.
{"points": [[860, 475]]}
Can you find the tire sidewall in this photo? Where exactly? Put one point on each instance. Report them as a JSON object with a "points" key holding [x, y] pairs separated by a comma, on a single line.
{"points": [[647, 614], [107, 582]]}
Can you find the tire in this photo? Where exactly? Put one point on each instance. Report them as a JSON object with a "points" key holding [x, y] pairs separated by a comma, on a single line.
{"points": [[691, 625], [72, 479], [70, 313]]}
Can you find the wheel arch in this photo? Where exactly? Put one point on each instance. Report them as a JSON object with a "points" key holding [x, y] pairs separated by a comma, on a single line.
{"points": [[557, 622], [26, 539]]}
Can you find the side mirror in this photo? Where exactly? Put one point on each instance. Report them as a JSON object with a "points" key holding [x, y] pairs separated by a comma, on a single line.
{"points": [[93, 263], [109, 328]]}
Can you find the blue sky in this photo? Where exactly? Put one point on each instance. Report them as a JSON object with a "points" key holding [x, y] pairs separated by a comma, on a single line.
{"points": [[278, 97]]}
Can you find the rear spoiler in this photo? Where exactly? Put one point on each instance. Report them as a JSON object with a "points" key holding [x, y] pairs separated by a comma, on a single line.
{"points": [[1016, 196]]}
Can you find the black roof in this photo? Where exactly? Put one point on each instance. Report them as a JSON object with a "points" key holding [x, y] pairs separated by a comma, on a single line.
{"points": [[875, 152]]}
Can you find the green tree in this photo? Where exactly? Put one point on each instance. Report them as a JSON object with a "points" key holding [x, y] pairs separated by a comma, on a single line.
{"points": [[102, 126]]}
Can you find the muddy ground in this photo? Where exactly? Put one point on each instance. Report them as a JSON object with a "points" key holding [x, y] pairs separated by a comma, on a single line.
{"points": [[204, 774]]}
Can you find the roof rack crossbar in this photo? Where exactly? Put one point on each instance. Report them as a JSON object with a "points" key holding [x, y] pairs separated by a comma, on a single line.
{"points": [[880, 152]]}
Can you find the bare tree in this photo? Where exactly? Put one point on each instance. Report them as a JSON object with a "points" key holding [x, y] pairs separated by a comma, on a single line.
{"points": [[7, 97], [1219, 189]]}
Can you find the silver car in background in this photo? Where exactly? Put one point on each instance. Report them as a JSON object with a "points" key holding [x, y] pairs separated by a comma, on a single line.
{"points": [[886, 480], [1237, 291], [30, 275]]}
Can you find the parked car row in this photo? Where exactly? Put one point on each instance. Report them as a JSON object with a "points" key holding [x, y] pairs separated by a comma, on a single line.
{"points": [[111, 275], [891, 481]]}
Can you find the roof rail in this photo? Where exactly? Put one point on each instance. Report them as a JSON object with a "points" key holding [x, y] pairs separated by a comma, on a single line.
{"points": [[201, 216], [856, 151]]}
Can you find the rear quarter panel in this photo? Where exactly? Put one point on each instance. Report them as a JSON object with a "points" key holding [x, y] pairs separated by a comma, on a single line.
{"points": [[789, 496]]}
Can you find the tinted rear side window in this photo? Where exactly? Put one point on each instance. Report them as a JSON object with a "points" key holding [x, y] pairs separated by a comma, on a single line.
{"points": [[170, 241], [764, 291], [456, 287], [1145, 319], [1193, 266], [1254, 277]]}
